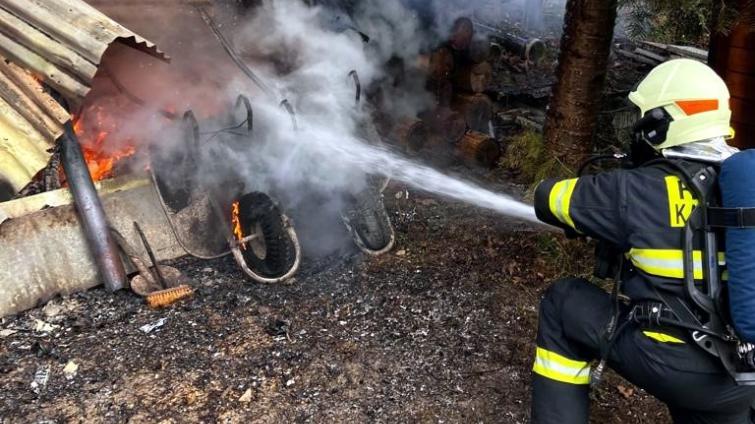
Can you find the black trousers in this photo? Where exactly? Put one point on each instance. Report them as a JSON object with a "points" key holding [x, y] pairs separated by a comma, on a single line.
{"points": [[573, 317]]}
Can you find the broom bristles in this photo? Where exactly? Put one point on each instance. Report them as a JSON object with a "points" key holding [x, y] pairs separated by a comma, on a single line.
{"points": [[167, 297]]}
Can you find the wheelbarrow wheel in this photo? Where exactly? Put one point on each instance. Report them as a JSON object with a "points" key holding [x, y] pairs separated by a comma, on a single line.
{"points": [[272, 254], [369, 223]]}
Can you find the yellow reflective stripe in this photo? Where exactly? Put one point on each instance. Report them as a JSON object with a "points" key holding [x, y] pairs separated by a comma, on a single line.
{"points": [[556, 367], [668, 262], [559, 200], [663, 338]]}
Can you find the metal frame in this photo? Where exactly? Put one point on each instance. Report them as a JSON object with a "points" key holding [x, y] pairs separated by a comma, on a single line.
{"points": [[193, 147]]}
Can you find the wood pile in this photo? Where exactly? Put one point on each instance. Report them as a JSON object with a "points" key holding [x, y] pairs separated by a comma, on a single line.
{"points": [[459, 74], [653, 54]]}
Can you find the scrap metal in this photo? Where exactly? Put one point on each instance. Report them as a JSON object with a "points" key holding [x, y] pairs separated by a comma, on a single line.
{"points": [[43, 253], [93, 219]]}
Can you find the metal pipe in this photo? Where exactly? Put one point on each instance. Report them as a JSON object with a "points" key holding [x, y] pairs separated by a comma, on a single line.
{"points": [[530, 49], [90, 211]]}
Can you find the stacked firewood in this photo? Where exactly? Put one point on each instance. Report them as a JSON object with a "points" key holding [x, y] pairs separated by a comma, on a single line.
{"points": [[459, 125], [653, 54]]}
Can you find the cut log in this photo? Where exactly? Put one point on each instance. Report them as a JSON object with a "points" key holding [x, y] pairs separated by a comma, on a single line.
{"points": [[448, 125], [441, 64], [411, 134], [476, 109], [442, 91], [689, 52], [438, 152], [650, 55], [462, 34], [473, 78], [478, 149], [637, 58]]}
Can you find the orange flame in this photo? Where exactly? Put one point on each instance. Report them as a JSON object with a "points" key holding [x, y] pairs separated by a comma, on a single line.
{"points": [[100, 159], [236, 222]]}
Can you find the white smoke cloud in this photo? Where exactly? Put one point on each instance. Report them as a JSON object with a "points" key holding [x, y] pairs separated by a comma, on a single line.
{"points": [[305, 54]]}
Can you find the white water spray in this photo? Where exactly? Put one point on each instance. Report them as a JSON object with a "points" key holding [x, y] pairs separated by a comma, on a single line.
{"points": [[376, 160], [329, 156]]}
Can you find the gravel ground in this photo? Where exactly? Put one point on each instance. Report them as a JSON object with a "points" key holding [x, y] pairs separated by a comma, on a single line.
{"points": [[439, 330]]}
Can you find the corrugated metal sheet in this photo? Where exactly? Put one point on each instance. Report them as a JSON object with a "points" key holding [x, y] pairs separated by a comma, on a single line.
{"points": [[60, 42], [29, 122]]}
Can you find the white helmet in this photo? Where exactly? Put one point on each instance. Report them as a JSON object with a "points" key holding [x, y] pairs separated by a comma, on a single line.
{"points": [[682, 101]]}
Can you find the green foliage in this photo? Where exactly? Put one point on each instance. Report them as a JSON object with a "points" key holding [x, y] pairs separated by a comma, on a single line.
{"points": [[747, 15], [524, 152], [527, 154], [670, 21], [685, 21]]}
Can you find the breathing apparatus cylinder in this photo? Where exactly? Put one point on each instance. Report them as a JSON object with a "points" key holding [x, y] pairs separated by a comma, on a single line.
{"points": [[737, 183]]}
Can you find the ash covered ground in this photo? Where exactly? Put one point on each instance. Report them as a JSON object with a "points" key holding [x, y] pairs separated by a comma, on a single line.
{"points": [[439, 330]]}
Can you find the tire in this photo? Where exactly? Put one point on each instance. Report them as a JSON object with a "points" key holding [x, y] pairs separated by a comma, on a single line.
{"points": [[369, 221], [259, 214]]}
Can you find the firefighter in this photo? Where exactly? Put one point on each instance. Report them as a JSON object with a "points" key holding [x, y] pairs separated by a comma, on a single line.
{"points": [[641, 212]]}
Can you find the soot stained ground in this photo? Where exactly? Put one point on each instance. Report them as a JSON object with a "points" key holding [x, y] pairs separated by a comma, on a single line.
{"points": [[440, 330]]}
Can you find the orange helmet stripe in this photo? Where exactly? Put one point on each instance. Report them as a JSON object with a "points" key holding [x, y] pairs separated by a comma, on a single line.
{"points": [[693, 107]]}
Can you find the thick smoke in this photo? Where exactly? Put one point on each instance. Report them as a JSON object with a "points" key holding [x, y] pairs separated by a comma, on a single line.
{"points": [[330, 150], [439, 15]]}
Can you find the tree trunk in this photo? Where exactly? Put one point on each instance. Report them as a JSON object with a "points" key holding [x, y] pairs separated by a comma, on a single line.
{"points": [[732, 55], [582, 68]]}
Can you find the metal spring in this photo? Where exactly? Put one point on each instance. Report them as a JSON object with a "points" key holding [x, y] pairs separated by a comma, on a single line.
{"points": [[167, 297]]}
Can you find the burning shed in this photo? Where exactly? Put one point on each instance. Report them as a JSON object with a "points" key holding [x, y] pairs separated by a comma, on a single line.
{"points": [[87, 202]]}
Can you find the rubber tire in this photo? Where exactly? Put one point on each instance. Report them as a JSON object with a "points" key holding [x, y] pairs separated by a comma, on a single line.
{"points": [[281, 253], [371, 221]]}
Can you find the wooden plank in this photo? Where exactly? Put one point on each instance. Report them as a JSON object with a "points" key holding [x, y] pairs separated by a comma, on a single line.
{"points": [[636, 57], [651, 55], [659, 46], [689, 52]]}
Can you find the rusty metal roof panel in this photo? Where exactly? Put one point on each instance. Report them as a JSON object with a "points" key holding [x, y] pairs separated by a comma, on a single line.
{"points": [[60, 42], [30, 120]]}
